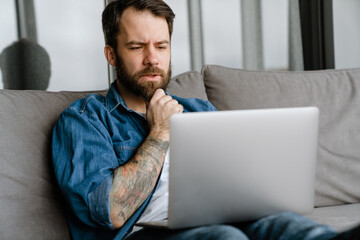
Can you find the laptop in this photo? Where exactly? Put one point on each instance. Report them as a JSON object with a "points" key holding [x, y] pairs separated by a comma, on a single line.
{"points": [[236, 166]]}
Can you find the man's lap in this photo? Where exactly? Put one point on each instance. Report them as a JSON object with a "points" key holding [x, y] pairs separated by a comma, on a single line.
{"points": [[279, 226], [287, 225], [225, 232]]}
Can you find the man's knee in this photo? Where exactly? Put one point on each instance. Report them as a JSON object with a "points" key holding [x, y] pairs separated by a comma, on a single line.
{"points": [[291, 217], [287, 216], [287, 225], [225, 232]]}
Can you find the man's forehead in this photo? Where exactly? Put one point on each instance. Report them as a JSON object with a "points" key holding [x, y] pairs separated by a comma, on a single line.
{"points": [[133, 16], [142, 26]]}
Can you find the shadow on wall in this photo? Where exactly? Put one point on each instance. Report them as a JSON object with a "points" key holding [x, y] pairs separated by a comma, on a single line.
{"points": [[25, 65]]}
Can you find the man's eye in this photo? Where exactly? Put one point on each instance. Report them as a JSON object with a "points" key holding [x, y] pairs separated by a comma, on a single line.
{"points": [[135, 48], [161, 47]]}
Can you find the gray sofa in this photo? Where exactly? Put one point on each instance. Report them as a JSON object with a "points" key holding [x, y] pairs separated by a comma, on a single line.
{"points": [[31, 206]]}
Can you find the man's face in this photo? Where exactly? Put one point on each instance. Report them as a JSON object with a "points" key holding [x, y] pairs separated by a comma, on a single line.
{"points": [[143, 53]]}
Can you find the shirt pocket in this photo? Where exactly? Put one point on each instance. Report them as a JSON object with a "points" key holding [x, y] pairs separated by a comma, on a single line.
{"points": [[124, 151]]}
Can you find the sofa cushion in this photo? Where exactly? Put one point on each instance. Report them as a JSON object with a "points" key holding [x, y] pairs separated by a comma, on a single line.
{"points": [[30, 202], [188, 85], [335, 92], [341, 218]]}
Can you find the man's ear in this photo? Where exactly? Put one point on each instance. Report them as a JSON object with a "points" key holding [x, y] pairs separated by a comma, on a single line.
{"points": [[110, 55]]}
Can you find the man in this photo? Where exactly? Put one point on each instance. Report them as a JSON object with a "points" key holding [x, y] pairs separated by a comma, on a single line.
{"points": [[109, 152]]}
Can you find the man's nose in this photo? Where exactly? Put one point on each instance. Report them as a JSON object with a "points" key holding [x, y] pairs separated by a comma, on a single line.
{"points": [[151, 57]]}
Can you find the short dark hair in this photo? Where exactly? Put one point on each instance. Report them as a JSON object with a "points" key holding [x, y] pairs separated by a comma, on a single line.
{"points": [[111, 16]]}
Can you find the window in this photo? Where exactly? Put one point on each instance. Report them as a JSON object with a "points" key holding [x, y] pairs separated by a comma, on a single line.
{"points": [[346, 33], [7, 28], [71, 33]]}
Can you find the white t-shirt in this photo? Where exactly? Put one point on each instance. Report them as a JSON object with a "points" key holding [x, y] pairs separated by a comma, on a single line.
{"points": [[157, 209]]}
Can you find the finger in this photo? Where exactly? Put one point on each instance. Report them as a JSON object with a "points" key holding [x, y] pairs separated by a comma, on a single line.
{"points": [[174, 107], [167, 99], [159, 93], [181, 108]]}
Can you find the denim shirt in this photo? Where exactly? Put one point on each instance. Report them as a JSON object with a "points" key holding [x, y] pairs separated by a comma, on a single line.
{"points": [[92, 138]]}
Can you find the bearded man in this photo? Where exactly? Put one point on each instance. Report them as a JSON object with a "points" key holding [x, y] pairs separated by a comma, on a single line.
{"points": [[110, 153]]}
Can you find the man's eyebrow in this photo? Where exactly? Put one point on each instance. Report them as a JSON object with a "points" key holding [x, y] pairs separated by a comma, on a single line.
{"points": [[135, 43], [163, 42], [143, 43]]}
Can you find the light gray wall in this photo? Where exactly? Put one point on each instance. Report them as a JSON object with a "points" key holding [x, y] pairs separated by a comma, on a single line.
{"points": [[275, 34], [7, 26], [222, 34], [180, 47], [71, 33], [346, 33]]}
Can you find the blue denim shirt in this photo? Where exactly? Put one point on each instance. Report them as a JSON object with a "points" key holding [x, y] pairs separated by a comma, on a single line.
{"points": [[92, 138]]}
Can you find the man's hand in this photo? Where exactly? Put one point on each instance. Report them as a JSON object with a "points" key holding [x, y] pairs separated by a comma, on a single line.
{"points": [[159, 110]]}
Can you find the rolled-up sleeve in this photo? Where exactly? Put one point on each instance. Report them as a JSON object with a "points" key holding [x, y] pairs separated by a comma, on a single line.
{"points": [[99, 204], [84, 160]]}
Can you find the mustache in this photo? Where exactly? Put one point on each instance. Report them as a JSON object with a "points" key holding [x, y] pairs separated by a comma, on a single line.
{"points": [[151, 70]]}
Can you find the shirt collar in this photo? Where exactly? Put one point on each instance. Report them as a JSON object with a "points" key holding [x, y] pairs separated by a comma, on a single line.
{"points": [[113, 99]]}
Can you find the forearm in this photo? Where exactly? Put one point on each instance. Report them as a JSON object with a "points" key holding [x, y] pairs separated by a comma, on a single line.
{"points": [[133, 182]]}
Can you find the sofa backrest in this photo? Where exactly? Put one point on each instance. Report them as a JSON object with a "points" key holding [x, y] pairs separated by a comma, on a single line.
{"points": [[335, 92], [30, 202], [188, 85]]}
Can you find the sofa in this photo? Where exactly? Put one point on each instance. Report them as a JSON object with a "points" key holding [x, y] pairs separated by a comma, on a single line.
{"points": [[31, 206]]}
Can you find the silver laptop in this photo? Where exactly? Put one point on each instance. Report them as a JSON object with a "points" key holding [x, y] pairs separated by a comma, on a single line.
{"points": [[234, 166]]}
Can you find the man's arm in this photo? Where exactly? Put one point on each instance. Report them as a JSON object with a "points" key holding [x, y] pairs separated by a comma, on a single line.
{"points": [[134, 181]]}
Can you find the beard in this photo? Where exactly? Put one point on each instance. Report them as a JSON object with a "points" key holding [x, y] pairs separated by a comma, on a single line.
{"points": [[133, 84]]}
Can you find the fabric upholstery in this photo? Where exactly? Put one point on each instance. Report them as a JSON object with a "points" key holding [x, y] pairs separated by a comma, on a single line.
{"points": [[188, 85], [341, 217], [29, 197], [335, 92], [31, 204]]}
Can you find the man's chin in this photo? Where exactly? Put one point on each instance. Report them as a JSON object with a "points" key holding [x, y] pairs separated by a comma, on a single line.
{"points": [[149, 89], [151, 86]]}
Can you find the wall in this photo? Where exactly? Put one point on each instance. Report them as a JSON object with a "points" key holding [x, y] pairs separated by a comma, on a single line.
{"points": [[71, 33], [346, 15], [222, 34], [7, 26]]}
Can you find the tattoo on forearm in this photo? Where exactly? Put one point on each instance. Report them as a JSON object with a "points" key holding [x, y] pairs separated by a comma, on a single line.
{"points": [[134, 181]]}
